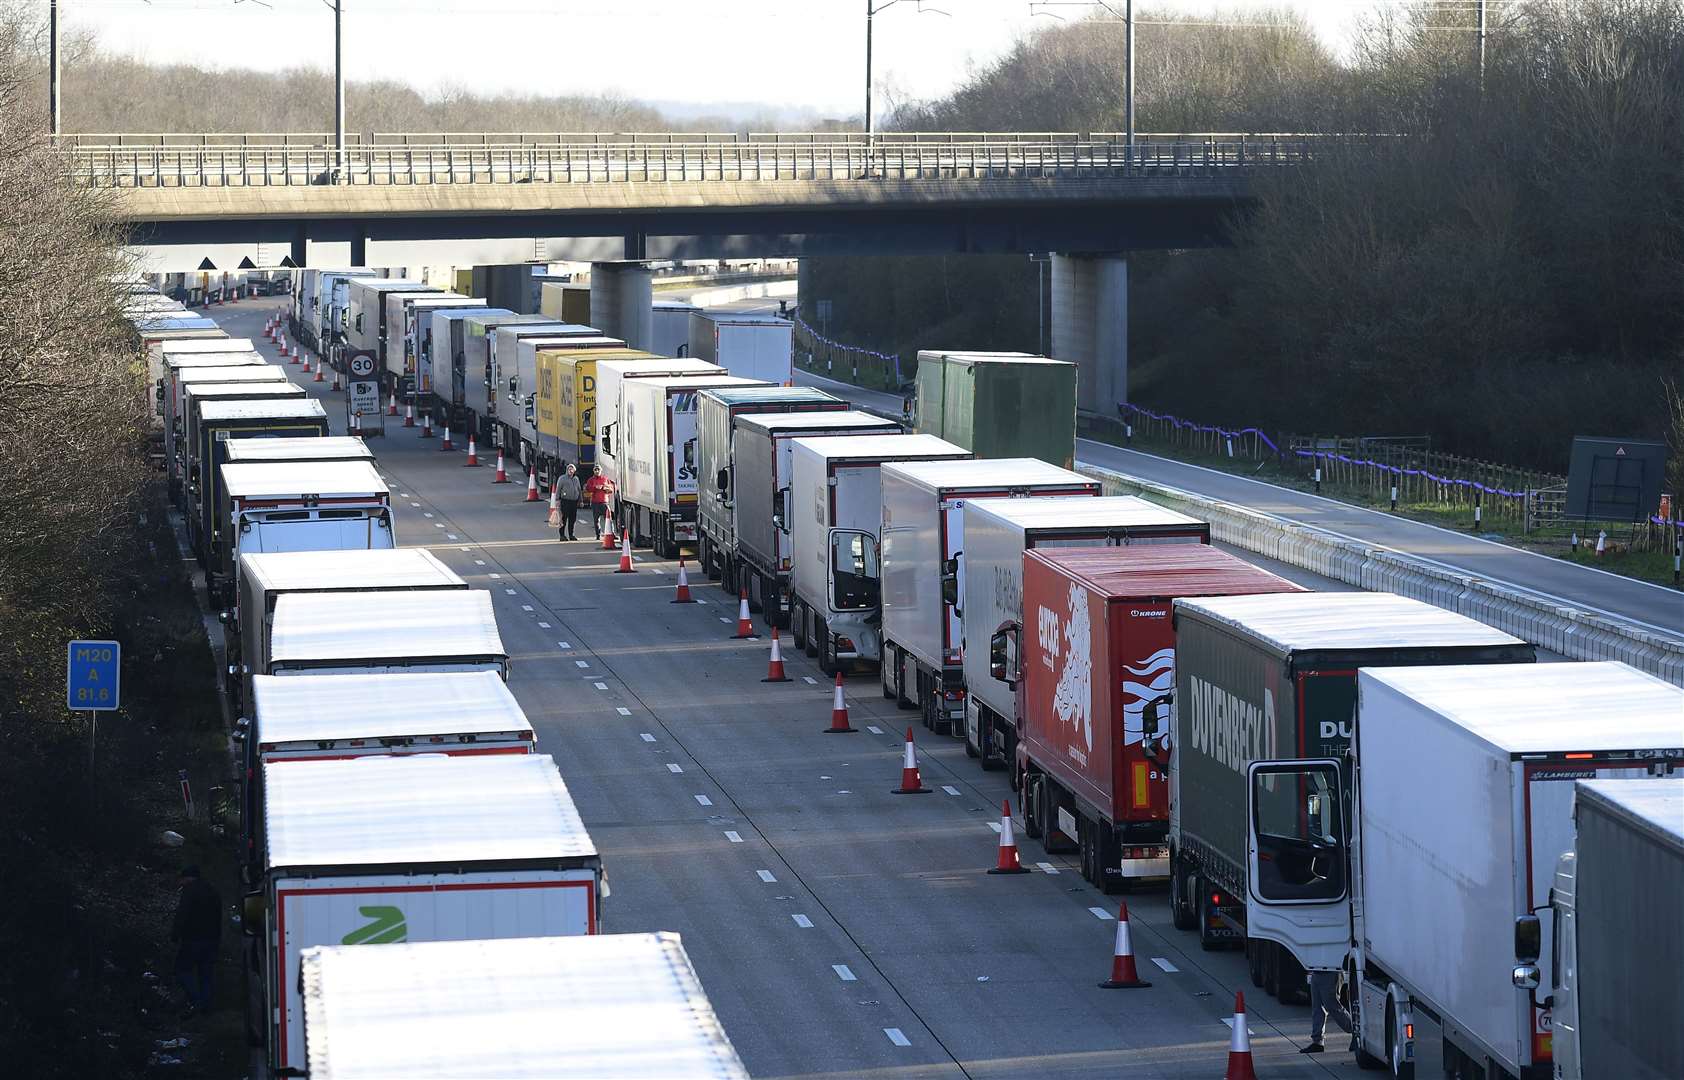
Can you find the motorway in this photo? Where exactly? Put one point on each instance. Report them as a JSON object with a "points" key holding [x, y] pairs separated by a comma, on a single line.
{"points": [[840, 930], [1655, 607]]}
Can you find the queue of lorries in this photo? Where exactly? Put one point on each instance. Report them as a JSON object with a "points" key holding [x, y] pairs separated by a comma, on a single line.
{"points": [[1352, 782]]}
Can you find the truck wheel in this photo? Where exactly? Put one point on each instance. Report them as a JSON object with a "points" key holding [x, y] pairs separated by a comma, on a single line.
{"points": [[728, 575], [971, 750], [886, 667], [1271, 964], [1180, 884], [821, 634], [1254, 962], [1031, 807], [1108, 858], [797, 625]]}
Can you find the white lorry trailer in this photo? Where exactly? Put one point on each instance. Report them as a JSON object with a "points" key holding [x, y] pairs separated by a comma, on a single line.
{"points": [[1459, 798], [1618, 938], [410, 317], [366, 331], [431, 848], [833, 511], [610, 375], [445, 356], [997, 533], [321, 448], [297, 506], [669, 327], [525, 386], [924, 570], [658, 476], [344, 633], [505, 401], [609, 1007], [243, 367], [762, 460], [265, 578], [751, 346], [312, 302]]}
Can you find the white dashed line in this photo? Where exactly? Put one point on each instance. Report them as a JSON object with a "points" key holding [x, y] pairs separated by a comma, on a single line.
{"points": [[494, 576], [767, 877], [582, 663], [995, 825], [803, 922], [1100, 913], [950, 789], [437, 524], [464, 549], [723, 619], [704, 800], [1046, 868], [526, 607], [543, 626], [623, 711], [600, 685], [896, 1037], [735, 838], [844, 972], [564, 645], [1165, 964], [809, 680], [644, 735], [675, 769], [511, 592], [479, 562], [428, 513], [452, 536], [873, 729]]}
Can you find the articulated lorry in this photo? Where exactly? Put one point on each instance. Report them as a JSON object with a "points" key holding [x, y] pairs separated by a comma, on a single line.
{"points": [[387, 631], [445, 360], [762, 456], [1624, 873], [566, 405], [215, 422], [999, 405], [669, 328], [750, 346], [412, 362], [431, 848], [1264, 677], [321, 448], [610, 377], [534, 399], [265, 578], [658, 473], [244, 367], [716, 423], [506, 398], [296, 506], [309, 318], [366, 332], [1088, 657], [440, 1011], [833, 511], [1428, 892], [480, 391], [924, 570], [997, 533]]}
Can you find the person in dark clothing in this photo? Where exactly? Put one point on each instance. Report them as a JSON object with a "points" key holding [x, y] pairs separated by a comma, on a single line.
{"points": [[568, 492], [197, 933]]}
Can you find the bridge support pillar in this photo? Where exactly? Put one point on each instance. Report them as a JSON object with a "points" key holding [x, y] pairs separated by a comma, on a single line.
{"points": [[622, 303], [507, 286], [1090, 324]]}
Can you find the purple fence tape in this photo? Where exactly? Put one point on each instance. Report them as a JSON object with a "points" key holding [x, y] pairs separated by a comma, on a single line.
{"points": [[1126, 408], [818, 337], [1450, 481]]}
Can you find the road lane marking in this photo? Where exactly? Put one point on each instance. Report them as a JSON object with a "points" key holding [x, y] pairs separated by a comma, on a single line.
{"points": [[672, 768], [1046, 868], [723, 619], [950, 789], [464, 549], [644, 735], [735, 838], [564, 645], [803, 922], [896, 1037], [495, 576], [479, 562], [600, 685], [1101, 913], [543, 626], [704, 800], [429, 513], [623, 711], [1228, 1021], [582, 663], [995, 825], [844, 972], [767, 877], [511, 592], [873, 729], [453, 536], [437, 524], [1165, 964], [809, 680]]}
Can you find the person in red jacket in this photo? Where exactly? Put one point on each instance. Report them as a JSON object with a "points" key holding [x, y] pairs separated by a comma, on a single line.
{"points": [[600, 490]]}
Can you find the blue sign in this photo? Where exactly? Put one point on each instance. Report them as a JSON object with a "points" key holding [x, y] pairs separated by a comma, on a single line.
{"points": [[91, 675]]}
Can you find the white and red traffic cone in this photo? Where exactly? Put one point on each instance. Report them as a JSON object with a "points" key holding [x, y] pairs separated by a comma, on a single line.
{"points": [[335, 387], [473, 452], [289, 351], [1601, 543], [319, 375], [356, 423], [446, 444], [501, 475], [775, 667], [682, 594], [554, 516], [839, 712], [625, 566], [1239, 1045], [299, 352], [911, 781], [408, 412], [1123, 973], [392, 405], [426, 424], [532, 486], [1007, 863], [745, 624], [609, 543]]}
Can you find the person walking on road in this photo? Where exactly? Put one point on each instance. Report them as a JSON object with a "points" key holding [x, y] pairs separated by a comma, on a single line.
{"points": [[1324, 1002], [567, 492], [601, 491], [197, 933]]}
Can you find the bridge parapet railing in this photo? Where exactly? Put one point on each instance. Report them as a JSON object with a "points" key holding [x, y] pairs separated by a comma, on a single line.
{"points": [[664, 162], [179, 140]]}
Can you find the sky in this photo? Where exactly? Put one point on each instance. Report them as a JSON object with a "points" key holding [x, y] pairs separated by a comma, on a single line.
{"points": [[796, 54]]}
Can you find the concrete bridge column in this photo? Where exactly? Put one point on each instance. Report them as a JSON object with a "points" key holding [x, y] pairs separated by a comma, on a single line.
{"points": [[1090, 320], [508, 286], [622, 304]]}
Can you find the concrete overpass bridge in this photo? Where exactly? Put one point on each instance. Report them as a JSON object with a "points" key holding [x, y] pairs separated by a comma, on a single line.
{"points": [[198, 202]]}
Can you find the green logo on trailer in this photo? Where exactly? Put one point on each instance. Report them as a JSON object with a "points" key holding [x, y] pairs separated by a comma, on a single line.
{"points": [[387, 927]]}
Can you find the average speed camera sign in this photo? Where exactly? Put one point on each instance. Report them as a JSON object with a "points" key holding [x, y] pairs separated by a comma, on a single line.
{"points": [[362, 366]]}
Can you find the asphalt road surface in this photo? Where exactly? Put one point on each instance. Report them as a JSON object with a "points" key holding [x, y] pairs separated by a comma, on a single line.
{"points": [[840, 930]]}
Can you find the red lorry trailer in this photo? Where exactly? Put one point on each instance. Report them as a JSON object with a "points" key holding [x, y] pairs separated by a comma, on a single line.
{"points": [[1097, 649]]}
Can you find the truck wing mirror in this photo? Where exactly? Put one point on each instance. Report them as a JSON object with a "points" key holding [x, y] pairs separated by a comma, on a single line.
{"points": [[1002, 663], [778, 509], [1149, 715], [514, 384], [722, 480], [950, 581], [251, 914], [1528, 939]]}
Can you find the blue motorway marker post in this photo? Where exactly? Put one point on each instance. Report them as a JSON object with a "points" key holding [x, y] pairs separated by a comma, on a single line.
{"points": [[92, 681]]}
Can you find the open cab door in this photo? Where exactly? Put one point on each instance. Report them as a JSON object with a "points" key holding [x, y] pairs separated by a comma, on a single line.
{"points": [[1298, 881]]}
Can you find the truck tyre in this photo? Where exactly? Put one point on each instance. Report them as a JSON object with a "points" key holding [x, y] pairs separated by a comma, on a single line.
{"points": [[1254, 962], [827, 659], [1270, 962], [1108, 855], [811, 620], [971, 750], [728, 575], [797, 625], [1180, 884], [886, 668], [1031, 807]]}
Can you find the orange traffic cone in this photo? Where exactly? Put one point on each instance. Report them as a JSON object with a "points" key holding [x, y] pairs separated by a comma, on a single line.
{"points": [[408, 412], [289, 351], [532, 486], [296, 351], [608, 540], [839, 712], [626, 566], [356, 423], [682, 594], [745, 625], [911, 781], [501, 476], [318, 377], [1239, 1045], [775, 669], [1123, 974], [473, 452], [1008, 863], [554, 517], [335, 387], [392, 405], [426, 424], [447, 444]]}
